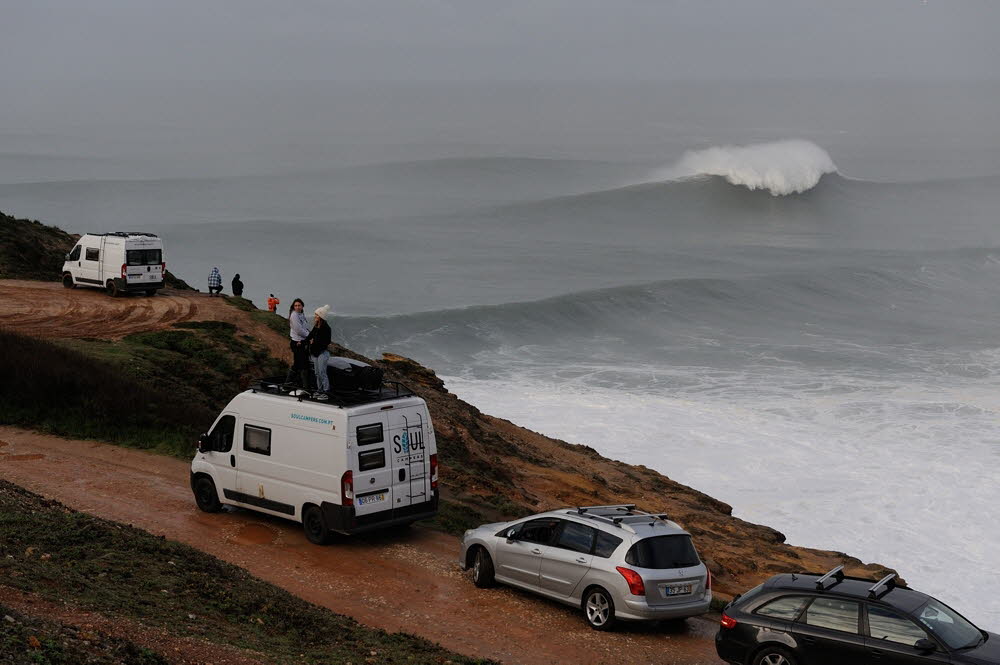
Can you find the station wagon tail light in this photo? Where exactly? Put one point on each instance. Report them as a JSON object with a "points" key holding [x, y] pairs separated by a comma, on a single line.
{"points": [[124, 270], [708, 580], [434, 471], [727, 621], [635, 585], [347, 488]]}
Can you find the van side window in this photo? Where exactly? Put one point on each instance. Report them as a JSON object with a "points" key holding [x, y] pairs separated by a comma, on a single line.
{"points": [[75, 254], [93, 254], [368, 434], [257, 440], [371, 459], [221, 437]]}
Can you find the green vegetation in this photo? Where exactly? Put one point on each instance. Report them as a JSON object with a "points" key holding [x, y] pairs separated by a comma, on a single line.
{"points": [[118, 570], [278, 324]]}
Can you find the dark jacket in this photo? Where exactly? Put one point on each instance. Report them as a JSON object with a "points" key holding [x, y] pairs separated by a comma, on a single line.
{"points": [[237, 286], [319, 338]]}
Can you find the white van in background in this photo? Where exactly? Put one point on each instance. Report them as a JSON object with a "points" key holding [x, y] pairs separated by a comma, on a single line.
{"points": [[362, 460], [118, 262]]}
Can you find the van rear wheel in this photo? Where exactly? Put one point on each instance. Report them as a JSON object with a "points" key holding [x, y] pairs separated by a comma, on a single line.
{"points": [[68, 281], [112, 288], [314, 524], [150, 292], [205, 495]]}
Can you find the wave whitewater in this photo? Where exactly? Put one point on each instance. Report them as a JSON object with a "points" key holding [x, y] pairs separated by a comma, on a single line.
{"points": [[780, 167]]}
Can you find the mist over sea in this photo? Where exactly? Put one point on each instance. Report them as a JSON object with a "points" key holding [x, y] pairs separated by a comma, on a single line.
{"points": [[786, 295]]}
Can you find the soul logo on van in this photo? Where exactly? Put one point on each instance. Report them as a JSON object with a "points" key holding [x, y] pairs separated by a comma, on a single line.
{"points": [[408, 442]]}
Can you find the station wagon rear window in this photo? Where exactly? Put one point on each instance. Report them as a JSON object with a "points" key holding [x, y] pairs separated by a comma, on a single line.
{"points": [[368, 434], [606, 544], [256, 440], [662, 552], [371, 459], [143, 257]]}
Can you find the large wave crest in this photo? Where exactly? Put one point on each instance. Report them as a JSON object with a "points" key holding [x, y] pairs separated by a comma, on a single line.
{"points": [[781, 167]]}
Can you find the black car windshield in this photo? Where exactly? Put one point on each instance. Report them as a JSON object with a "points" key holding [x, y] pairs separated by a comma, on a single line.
{"points": [[663, 552], [947, 624]]}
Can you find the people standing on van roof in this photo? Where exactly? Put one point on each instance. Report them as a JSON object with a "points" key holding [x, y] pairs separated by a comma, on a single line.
{"points": [[237, 286], [214, 282], [298, 330], [272, 304], [319, 341]]}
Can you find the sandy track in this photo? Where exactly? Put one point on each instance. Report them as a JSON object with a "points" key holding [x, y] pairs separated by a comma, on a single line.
{"points": [[397, 581]]}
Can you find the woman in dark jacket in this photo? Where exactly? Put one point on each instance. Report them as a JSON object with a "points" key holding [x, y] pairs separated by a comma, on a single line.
{"points": [[319, 341], [237, 286]]}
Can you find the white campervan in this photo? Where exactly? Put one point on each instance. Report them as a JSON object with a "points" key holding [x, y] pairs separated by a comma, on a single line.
{"points": [[119, 262], [362, 460]]}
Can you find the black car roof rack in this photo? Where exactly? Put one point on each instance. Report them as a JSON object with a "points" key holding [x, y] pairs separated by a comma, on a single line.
{"points": [[837, 575], [882, 587]]}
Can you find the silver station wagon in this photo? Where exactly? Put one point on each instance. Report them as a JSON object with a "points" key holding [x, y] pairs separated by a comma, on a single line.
{"points": [[613, 562]]}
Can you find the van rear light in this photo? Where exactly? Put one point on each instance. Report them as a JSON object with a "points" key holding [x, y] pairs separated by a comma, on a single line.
{"points": [[124, 270], [163, 266], [635, 585], [347, 488], [434, 471], [727, 621]]}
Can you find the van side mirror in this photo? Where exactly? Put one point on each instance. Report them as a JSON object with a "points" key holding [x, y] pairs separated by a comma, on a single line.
{"points": [[67, 256], [924, 645], [203, 444]]}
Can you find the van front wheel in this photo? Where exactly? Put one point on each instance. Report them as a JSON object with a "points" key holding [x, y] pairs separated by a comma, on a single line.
{"points": [[314, 524], [68, 281], [205, 495]]}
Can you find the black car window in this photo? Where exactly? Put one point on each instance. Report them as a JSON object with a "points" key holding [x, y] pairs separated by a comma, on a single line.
{"points": [[538, 531], [833, 613], [606, 544], [786, 607], [576, 537], [884, 624], [949, 625], [663, 552], [221, 437]]}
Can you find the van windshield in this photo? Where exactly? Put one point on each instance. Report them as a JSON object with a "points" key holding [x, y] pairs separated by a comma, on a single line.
{"points": [[143, 257], [663, 552]]}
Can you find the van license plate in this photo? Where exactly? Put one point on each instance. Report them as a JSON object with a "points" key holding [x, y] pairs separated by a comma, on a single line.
{"points": [[676, 589], [371, 498]]}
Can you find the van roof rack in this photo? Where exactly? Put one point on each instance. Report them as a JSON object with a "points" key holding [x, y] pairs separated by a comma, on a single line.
{"points": [[386, 391], [882, 587], [621, 516], [126, 234], [837, 575]]}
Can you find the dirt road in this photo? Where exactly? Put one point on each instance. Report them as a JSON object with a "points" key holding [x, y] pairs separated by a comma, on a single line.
{"points": [[406, 581]]}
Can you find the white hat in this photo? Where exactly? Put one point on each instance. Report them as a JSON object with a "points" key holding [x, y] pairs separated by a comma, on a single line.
{"points": [[323, 311]]}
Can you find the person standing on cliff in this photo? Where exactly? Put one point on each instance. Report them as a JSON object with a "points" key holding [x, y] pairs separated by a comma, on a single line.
{"points": [[272, 304], [237, 286], [319, 342], [298, 330], [214, 282]]}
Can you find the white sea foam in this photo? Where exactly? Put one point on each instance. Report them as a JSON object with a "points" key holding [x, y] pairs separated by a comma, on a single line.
{"points": [[781, 167]]}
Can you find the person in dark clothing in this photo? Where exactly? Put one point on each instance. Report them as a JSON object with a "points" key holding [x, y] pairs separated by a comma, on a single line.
{"points": [[298, 325], [237, 286], [319, 341]]}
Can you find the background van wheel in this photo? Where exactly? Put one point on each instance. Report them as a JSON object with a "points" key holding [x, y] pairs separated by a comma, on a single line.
{"points": [[482, 569], [150, 292], [68, 281], [205, 495], [112, 289], [599, 609], [774, 656], [314, 524]]}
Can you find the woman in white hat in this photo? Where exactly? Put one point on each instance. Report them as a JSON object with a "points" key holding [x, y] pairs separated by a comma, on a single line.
{"points": [[319, 341]]}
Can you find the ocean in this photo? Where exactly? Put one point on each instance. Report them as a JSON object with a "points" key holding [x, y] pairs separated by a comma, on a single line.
{"points": [[784, 295]]}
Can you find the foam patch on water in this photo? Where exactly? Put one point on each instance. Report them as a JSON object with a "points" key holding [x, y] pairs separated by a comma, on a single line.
{"points": [[896, 473], [780, 167]]}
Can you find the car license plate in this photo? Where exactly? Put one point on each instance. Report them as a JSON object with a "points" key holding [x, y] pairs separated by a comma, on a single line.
{"points": [[371, 498], [676, 589]]}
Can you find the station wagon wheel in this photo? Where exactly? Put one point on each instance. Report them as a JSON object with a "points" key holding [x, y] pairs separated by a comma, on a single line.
{"points": [[482, 569], [68, 281], [205, 495], [774, 656], [599, 609], [314, 524]]}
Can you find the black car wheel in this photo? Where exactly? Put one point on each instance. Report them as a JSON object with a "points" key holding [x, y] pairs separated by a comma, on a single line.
{"points": [[205, 495], [774, 656], [482, 569], [314, 524], [599, 609]]}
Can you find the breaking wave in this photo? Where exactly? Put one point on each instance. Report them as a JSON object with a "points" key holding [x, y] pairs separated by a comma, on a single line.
{"points": [[780, 167]]}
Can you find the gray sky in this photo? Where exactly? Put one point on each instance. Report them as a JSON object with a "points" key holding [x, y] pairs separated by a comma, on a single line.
{"points": [[463, 40]]}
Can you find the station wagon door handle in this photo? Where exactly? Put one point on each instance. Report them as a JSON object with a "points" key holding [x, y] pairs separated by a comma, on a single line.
{"points": [[536, 551], [581, 560]]}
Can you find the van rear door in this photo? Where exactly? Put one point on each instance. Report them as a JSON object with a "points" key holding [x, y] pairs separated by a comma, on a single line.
{"points": [[143, 262], [369, 454], [410, 464]]}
